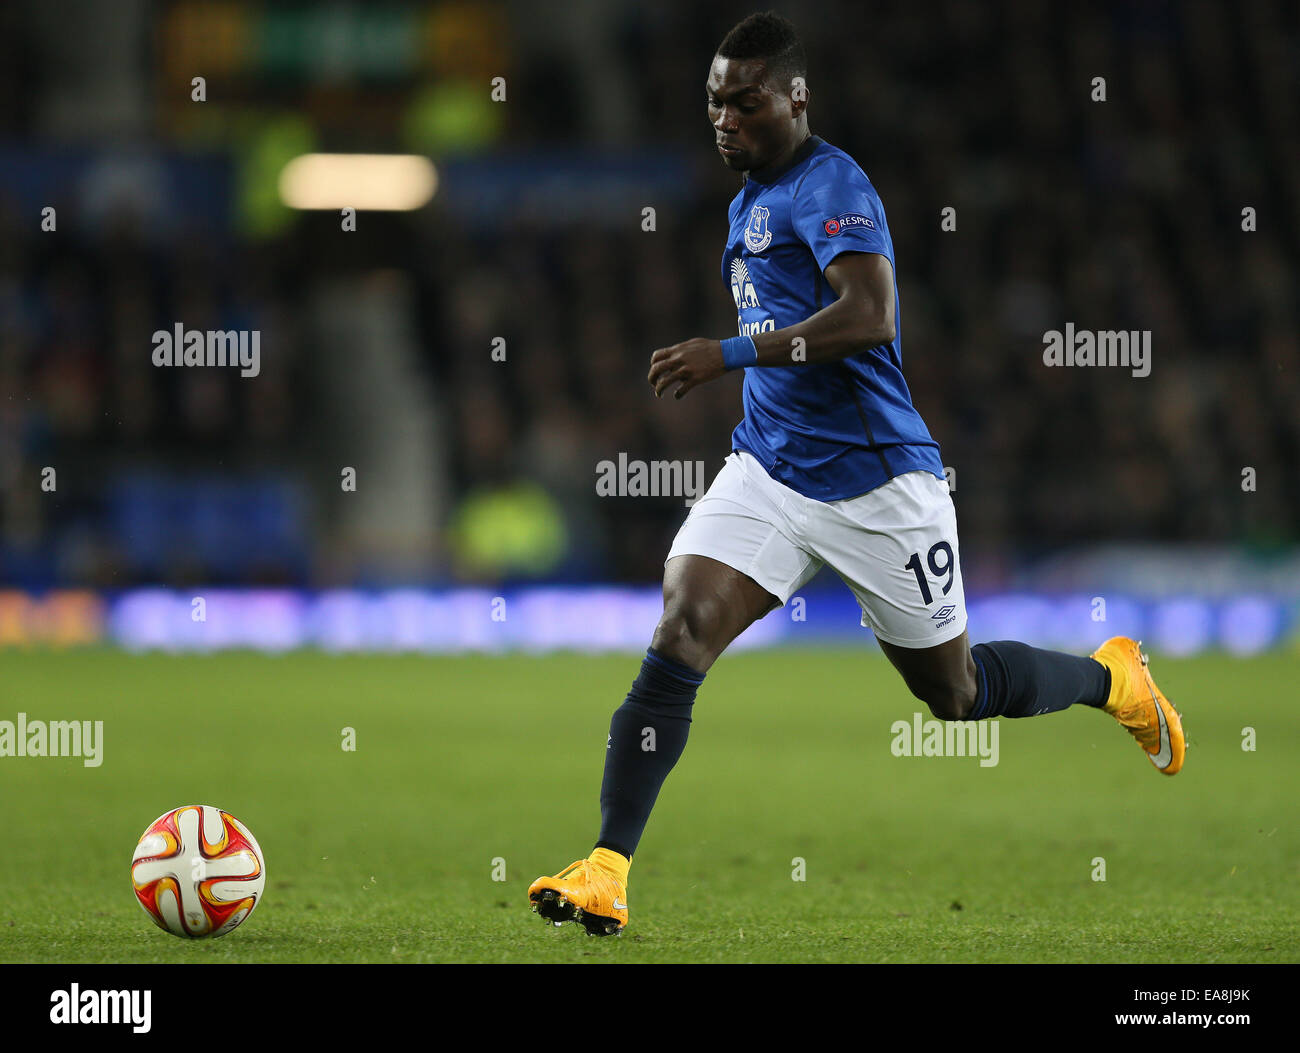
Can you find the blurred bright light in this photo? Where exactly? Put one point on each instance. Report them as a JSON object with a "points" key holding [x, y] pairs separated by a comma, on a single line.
{"points": [[366, 182], [1183, 626], [1249, 624]]}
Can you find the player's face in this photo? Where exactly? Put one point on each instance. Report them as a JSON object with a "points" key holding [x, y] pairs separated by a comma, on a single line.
{"points": [[754, 122]]}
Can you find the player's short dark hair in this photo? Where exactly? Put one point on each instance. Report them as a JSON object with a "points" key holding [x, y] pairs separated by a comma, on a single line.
{"points": [[768, 37]]}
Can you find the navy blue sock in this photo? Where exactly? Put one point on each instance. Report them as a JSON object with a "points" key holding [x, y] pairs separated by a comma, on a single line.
{"points": [[1016, 680], [646, 736]]}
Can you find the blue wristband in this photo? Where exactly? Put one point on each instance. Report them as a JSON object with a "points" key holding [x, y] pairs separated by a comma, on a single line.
{"points": [[738, 352]]}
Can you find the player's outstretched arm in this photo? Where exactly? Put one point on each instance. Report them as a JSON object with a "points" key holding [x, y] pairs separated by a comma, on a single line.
{"points": [[860, 317]]}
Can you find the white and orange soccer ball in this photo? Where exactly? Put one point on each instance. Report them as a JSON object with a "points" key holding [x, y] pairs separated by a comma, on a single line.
{"points": [[198, 871]]}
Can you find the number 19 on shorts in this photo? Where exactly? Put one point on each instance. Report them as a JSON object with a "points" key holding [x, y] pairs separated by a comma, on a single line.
{"points": [[938, 569]]}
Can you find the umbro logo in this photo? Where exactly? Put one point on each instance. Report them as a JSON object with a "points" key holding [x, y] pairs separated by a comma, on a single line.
{"points": [[943, 612]]}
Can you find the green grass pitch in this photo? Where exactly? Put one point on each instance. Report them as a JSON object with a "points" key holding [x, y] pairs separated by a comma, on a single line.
{"points": [[386, 853]]}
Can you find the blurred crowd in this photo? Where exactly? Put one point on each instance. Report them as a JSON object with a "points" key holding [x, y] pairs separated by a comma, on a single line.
{"points": [[1122, 213]]}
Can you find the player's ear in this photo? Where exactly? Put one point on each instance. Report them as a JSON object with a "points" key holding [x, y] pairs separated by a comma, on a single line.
{"points": [[798, 97]]}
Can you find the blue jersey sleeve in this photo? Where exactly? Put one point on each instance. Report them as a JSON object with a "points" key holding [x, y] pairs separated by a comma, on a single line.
{"points": [[836, 209]]}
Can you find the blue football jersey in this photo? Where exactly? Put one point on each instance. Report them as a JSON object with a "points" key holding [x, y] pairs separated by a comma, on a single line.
{"points": [[827, 430]]}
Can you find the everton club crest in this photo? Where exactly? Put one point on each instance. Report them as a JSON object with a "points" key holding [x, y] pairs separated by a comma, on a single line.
{"points": [[757, 236]]}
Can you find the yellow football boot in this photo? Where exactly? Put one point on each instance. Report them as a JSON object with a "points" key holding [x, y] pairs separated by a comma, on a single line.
{"points": [[585, 892], [1137, 703]]}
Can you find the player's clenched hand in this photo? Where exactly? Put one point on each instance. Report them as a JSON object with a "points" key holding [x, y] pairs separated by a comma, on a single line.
{"points": [[692, 362]]}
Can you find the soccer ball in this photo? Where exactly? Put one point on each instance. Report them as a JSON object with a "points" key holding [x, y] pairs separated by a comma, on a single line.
{"points": [[197, 871]]}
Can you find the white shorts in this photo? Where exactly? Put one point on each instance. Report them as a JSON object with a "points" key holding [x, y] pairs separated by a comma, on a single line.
{"points": [[895, 547]]}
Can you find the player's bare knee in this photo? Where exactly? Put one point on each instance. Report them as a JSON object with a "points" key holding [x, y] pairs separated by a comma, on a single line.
{"points": [[948, 701], [686, 633]]}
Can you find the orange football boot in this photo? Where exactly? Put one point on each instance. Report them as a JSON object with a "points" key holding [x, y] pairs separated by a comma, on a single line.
{"points": [[1137, 703], [583, 892]]}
